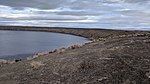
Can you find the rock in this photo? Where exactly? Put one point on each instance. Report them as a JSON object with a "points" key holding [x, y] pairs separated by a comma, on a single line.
{"points": [[17, 60]]}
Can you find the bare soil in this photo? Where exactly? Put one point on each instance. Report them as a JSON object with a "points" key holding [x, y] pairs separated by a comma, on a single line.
{"points": [[114, 57]]}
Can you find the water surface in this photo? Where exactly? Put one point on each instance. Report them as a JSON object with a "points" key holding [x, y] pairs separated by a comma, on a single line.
{"points": [[21, 44]]}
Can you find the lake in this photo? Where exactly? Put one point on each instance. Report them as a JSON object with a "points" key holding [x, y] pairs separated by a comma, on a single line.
{"points": [[23, 44]]}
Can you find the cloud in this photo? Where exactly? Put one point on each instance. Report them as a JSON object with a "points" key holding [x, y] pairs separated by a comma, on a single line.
{"points": [[51, 4], [32, 13], [76, 13], [32, 3]]}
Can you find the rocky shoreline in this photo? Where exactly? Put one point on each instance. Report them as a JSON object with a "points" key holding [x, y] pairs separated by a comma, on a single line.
{"points": [[113, 57]]}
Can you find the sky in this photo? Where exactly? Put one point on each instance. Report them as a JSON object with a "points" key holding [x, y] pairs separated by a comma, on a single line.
{"points": [[108, 14]]}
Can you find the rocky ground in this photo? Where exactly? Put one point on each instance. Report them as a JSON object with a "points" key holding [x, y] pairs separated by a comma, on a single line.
{"points": [[114, 57]]}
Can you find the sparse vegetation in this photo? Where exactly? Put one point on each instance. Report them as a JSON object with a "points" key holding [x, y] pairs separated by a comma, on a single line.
{"points": [[113, 57]]}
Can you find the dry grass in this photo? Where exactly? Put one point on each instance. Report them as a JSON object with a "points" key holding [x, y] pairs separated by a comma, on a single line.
{"points": [[36, 64]]}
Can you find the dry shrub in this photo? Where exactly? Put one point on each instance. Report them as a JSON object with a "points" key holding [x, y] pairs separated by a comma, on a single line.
{"points": [[74, 46], [87, 65]]}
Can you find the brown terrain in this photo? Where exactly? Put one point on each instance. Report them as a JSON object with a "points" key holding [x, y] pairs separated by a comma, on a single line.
{"points": [[113, 57]]}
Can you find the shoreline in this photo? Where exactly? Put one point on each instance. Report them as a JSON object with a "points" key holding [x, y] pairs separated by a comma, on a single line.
{"points": [[89, 33], [113, 57], [40, 53]]}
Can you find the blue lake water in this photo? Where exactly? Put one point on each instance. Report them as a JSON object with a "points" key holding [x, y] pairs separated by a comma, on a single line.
{"points": [[21, 44]]}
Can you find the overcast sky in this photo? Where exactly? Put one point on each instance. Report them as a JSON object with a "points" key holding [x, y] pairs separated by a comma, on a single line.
{"points": [[122, 14]]}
